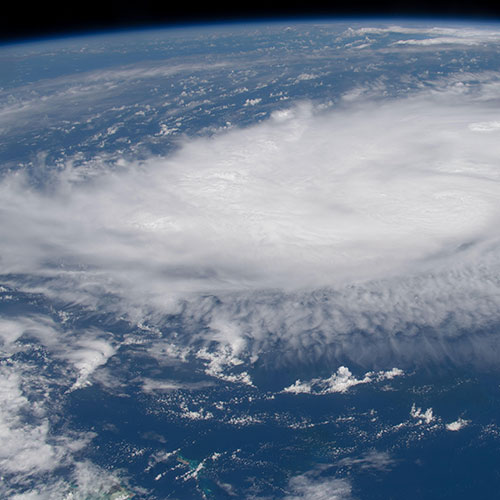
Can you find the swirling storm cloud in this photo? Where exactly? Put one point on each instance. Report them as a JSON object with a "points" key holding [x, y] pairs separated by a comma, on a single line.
{"points": [[251, 261], [369, 228]]}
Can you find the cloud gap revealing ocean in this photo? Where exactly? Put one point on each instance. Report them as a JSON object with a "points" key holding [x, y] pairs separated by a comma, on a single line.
{"points": [[255, 261]]}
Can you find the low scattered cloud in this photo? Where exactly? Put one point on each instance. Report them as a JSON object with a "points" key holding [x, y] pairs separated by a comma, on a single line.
{"points": [[341, 381], [252, 102]]}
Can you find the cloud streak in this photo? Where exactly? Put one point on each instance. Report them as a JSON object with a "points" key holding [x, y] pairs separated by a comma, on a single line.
{"points": [[433, 36]]}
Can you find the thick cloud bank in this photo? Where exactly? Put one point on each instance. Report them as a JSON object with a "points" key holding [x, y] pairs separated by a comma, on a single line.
{"points": [[310, 227]]}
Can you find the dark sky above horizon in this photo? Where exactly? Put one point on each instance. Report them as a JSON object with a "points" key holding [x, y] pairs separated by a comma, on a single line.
{"points": [[39, 19]]}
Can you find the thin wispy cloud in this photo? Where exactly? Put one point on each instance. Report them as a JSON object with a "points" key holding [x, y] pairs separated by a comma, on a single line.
{"points": [[309, 486]]}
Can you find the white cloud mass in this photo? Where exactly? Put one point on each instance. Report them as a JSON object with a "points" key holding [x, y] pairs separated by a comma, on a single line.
{"points": [[341, 382], [457, 425], [309, 487], [314, 224]]}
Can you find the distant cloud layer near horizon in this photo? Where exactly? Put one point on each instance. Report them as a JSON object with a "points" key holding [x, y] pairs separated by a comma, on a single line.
{"points": [[387, 209]]}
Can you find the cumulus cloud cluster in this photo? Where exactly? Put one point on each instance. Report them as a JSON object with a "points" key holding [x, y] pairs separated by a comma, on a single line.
{"points": [[457, 425], [309, 228], [341, 381], [427, 416]]}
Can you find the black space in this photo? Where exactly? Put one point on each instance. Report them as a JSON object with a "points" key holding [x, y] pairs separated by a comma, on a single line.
{"points": [[21, 19]]}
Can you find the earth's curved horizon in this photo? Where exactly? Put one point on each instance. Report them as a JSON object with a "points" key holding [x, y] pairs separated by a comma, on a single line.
{"points": [[252, 260]]}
